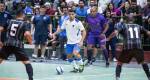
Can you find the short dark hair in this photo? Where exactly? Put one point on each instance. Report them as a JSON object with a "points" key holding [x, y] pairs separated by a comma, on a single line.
{"points": [[71, 10], [19, 11]]}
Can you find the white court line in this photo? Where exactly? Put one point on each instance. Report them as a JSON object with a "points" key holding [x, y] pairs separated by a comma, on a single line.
{"points": [[76, 76]]}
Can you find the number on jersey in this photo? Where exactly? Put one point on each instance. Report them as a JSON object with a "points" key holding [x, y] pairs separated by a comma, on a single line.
{"points": [[13, 29], [133, 32]]}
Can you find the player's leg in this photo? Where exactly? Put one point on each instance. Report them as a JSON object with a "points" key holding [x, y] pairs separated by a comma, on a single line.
{"points": [[94, 54], [62, 41], [90, 43], [118, 70], [4, 53], [29, 69], [21, 56], [43, 45], [1, 60], [113, 49], [102, 43], [139, 55], [36, 45], [125, 57], [53, 50], [78, 57], [146, 70], [35, 54], [69, 51]]}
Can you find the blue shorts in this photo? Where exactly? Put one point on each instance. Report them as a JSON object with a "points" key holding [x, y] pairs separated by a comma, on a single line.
{"points": [[40, 39], [72, 47]]}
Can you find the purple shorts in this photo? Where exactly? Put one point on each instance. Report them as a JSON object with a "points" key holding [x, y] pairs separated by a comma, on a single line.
{"points": [[95, 39]]}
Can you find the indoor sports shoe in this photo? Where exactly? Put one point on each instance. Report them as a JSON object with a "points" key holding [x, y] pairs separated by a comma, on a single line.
{"points": [[81, 68], [117, 78], [85, 61], [107, 64], [75, 70]]}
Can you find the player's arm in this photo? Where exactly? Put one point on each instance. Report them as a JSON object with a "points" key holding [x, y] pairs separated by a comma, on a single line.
{"points": [[113, 34], [105, 28], [28, 36], [145, 30], [83, 33], [1, 30], [50, 28], [27, 33]]}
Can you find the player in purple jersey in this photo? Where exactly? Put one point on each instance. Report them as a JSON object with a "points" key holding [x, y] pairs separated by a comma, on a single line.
{"points": [[16, 31], [132, 46], [97, 27]]}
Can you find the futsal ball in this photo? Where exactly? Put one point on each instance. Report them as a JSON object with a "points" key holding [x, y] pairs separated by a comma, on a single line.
{"points": [[59, 70]]}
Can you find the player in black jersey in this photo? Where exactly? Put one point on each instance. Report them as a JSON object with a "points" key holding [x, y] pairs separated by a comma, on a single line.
{"points": [[16, 31], [132, 46]]}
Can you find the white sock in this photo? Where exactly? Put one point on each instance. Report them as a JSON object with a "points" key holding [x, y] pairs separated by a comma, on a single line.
{"points": [[80, 62], [54, 53], [74, 64]]}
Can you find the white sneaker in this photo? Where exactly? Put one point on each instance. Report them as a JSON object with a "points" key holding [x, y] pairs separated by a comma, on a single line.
{"points": [[34, 56], [114, 59]]}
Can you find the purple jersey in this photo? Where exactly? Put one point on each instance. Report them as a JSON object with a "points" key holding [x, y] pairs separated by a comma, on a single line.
{"points": [[95, 24]]}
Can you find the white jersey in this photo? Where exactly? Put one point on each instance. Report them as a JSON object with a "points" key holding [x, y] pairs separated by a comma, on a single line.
{"points": [[73, 30]]}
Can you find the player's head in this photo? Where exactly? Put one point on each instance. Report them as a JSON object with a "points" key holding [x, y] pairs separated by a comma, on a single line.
{"points": [[20, 13], [71, 14], [65, 9], [42, 10], [130, 18], [93, 11], [2, 6], [81, 3]]}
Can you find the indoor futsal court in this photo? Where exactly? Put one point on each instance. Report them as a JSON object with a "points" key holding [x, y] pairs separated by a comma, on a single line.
{"points": [[11, 70]]}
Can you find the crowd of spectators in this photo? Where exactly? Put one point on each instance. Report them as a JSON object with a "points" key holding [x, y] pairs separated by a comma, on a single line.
{"points": [[114, 10]]}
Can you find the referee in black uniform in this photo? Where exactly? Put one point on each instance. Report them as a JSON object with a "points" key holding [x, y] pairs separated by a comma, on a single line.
{"points": [[132, 47], [15, 32]]}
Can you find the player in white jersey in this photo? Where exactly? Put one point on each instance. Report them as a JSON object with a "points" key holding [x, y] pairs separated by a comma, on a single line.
{"points": [[75, 35]]}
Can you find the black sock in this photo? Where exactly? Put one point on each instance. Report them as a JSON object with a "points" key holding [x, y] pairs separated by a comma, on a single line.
{"points": [[89, 54], [146, 69], [29, 71], [105, 53], [118, 70]]}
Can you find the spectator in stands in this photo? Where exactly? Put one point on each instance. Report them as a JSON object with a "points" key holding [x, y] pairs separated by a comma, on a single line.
{"points": [[50, 9], [102, 5], [113, 10], [28, 10], [37, 2], [112, 42], [146, 10], [81, 10], [62, 35], [4, 17], [43, 28], [126, 10], [118, 4], [141, 3], [74, 1], [9, 5], [91, 4]]}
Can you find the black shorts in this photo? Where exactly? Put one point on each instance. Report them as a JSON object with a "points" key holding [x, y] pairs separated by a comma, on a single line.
{"points": [[18, 52], [127, 55]]}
